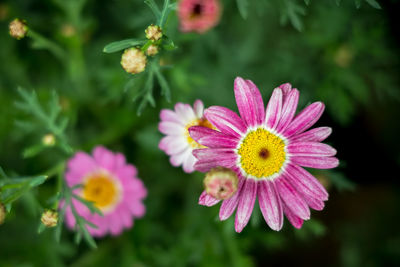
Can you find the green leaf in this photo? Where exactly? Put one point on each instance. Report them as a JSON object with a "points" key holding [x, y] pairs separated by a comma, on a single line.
{"points": [[165, 89], [357, 3], [153, 6], [341, 182], [243, 6], [307, 2], [121, 45], [164, 13], [374, 4], [32, 151], [41, 228]]}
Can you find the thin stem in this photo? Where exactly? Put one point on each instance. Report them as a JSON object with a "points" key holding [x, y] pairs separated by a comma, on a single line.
{"points": [[44, 43]]}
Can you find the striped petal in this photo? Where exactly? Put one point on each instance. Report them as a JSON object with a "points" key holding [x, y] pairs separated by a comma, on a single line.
{"points": [[305, 119], [260, 110], [207, 200], [211, 138], [246, 204], [316, 162], [288, 110], [228, 206], [247, 102], [314, 135], [274, 109], [311, 149], [198, 108], [225, 120], [209, 158], [292, 199], [270, 205], [308, 184], [296, 221]]}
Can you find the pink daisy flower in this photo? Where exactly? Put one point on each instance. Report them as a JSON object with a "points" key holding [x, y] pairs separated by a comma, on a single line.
{"points": [[111, 184], [175, 124], [198, 15], [267, 149]]}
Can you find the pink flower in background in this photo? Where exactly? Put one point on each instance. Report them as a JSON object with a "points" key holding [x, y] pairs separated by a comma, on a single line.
{"points": [[267, 148], [198, 15], [175, 124], [111, 184]]}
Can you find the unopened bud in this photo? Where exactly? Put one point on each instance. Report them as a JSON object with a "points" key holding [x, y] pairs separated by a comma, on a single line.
{"points": [[153, 32], [18, 29], [67, 30], [49, 140], [221, 183], [152, 50], [133, 60], [3, 213], [49, 218]]}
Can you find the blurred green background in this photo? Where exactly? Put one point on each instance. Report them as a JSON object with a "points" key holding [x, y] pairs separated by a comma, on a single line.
{"points": [[347, 57]]}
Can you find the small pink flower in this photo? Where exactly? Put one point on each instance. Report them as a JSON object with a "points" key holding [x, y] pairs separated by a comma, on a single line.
{"points": [[175, 124], [111, 184], [267, 148], [198, 15]]}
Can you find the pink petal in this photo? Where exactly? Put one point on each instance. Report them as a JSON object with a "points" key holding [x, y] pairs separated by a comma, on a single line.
{"points": [[270, 205], [209, 158], [171, 128], [207, 200], [246, 102], [316, 162], [305, 119], [293, 219], [246, 204], [260, 110], [81, 164], [292, 199], [305, 182], [115, 225], [225, 120], [211, 138], [178, 159], [288, 110], [309, 149], [173, 144], [274, 109], [228, 206], [314, 135], [185, 112], [104, 158], [198, 108], [286, 88], [169, 115], [188, 164]]}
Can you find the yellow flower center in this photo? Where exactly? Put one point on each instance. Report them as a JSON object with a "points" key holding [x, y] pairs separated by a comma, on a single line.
{"points": [[199, 122], [262, 153], [101, 189]]}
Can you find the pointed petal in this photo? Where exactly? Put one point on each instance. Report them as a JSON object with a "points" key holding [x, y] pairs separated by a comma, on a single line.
{"points": [[316, 162], [246, 102], [225, 120], [246, 204], [288, 110], [228, 206], [305, 119], [292, 199], [286, 88], [169, 115], [274, 109], [188, 164], [209, 158], [185, 112], [260, 109], [207, 200], [310, 149], [314, 135], [270, 205]]}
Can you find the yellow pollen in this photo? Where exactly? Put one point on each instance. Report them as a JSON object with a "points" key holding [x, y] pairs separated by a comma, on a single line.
{"points": [[198, 122], [101, 189], [262, 153]]}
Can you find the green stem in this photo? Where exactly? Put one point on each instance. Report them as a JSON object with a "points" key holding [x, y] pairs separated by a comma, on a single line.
{"points": [[42, 42]]}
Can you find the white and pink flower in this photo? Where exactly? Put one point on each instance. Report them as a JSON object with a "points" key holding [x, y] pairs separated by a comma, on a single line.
{"points": [[198, 15]]}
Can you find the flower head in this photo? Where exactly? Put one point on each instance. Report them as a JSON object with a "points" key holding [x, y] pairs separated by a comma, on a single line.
{"points": [[133, 60], [175, 124], [18, 29], [267, 148], [221, 183], [49, 218], [111, 184], [198, 15], [153, 32], [152, 50]]}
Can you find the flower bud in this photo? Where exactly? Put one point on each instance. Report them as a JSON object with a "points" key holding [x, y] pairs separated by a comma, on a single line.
{"points": [[152, 50], [49, 140], [221, 183], [133, 60], [49, 218], [18, 29], [153, 32], [3, 213]]}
